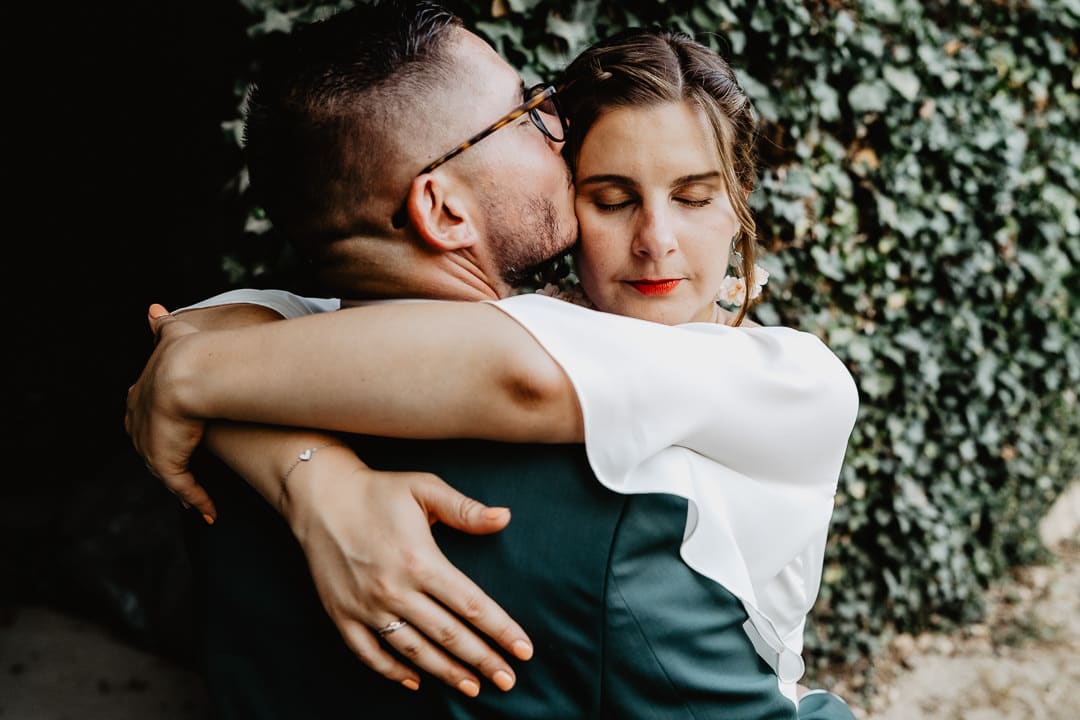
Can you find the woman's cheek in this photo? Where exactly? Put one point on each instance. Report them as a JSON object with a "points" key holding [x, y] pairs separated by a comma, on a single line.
{"points": [[597, 243], [592, 260]]}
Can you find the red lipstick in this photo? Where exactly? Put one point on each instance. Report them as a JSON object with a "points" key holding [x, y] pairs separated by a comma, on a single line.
{"points": [[655, 287]]}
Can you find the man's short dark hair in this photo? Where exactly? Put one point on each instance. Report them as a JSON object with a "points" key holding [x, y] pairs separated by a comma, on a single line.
{"points": [[318, 116]]}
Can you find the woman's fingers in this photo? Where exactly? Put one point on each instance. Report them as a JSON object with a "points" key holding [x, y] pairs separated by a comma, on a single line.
{"points": [[191, 494], [453, 588], [418, 649], [435, 639], [462, 597], [452, 508], [363, 643]]}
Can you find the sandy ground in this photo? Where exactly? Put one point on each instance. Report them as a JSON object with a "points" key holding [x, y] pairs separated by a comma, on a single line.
{"points": [[54, 667], [1021, 663]]}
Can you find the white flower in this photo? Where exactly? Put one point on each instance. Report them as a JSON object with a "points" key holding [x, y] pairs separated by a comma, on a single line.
{"points": [[549, 290], [571, 295], [733, 289], [761, 276]]}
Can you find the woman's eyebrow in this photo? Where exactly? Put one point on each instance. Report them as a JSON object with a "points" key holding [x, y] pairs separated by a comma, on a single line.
{"points": [[624, 180], [698, 177], [615, 179]]}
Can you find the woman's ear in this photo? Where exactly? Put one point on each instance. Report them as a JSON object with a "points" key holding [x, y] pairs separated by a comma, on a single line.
{"points": [[439, 210]]}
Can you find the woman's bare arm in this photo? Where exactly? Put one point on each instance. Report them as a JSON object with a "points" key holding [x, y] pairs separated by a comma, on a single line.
{"points": [[424, 370], [419, 370]]}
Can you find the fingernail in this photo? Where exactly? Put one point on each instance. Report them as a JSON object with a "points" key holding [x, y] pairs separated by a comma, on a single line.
{"points": [[469, 687], [208, 518], [495, 513], [503, 680], [157, 311], [522, 650], [411, 684]]}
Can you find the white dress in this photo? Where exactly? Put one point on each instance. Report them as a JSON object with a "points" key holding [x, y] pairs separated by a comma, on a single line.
{"points": [[750, 425]]}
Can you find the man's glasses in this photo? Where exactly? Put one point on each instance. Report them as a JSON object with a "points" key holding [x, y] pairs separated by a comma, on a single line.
{"points": [[543, 109]]}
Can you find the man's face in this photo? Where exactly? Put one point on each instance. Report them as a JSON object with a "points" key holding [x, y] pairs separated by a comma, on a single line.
{"points": [[523, 184]]}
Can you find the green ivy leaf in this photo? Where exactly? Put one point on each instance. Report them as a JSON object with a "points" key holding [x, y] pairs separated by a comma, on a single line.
{"points": [[903, 80], [872, 96]]}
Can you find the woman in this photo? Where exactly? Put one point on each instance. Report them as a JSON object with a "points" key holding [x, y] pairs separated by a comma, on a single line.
{"points": [[659, 221]]}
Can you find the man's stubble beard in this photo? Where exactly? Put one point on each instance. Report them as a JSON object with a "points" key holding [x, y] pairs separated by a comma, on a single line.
{"points": [[523, 244]]}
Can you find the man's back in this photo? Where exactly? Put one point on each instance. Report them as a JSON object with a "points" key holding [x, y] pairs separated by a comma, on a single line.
{"points": [[620, 625], [272, 652]]}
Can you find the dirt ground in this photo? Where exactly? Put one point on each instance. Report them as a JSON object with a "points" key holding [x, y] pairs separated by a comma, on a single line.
{"points": [[55, 667], [1021, 663]]}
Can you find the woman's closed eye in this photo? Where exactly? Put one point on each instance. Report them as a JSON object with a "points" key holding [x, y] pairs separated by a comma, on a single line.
{"points": [[694, 195], [693, 202], [611, 202], [613, 205]]}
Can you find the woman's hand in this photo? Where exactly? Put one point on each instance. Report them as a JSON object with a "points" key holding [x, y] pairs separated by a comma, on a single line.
{"points": [[162, 433], [374, 562]]}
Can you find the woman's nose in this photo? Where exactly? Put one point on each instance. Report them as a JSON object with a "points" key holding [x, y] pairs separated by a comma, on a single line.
{"points": [[655, 236]]}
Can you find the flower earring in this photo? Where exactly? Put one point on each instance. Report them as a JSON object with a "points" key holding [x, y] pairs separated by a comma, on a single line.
{"points": [[734, 290]]}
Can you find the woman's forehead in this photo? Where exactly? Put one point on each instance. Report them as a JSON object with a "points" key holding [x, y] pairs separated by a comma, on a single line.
{"points": [[676, 136]]}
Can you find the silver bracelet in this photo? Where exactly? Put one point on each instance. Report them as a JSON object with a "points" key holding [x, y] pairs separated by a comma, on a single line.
{"points": [[304, 456]]}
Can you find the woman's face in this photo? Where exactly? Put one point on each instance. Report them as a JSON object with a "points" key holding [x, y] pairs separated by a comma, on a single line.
{"points": [[656, 221]]}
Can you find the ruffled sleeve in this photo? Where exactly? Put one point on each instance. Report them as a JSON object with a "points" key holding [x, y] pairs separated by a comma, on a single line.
{"points": [[750, 425]]}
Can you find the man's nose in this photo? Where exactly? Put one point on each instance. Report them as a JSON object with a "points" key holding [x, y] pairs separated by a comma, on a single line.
{"points": [[655, 236]]}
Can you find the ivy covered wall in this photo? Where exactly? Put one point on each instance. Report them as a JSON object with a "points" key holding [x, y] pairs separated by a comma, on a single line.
{"points": [[919, 204]]}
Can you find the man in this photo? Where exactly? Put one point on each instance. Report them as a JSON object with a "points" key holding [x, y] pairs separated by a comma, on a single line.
{"points": [[471, 227]]}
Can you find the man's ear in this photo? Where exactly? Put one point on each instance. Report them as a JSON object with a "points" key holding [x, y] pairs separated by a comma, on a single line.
{"points": [[440, 212]]}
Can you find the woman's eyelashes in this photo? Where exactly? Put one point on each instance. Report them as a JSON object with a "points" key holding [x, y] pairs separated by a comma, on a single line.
{"points": [[613, 204], [695, 195], [694, 202]]}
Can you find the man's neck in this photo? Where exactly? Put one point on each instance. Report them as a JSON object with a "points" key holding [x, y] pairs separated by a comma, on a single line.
{"points": [[372, 269]]}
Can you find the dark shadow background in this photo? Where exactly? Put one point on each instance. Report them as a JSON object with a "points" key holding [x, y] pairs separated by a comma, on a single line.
{"points": [[113, 116]]}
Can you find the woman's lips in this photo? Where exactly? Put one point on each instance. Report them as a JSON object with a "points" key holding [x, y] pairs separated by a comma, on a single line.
{"points": [[655, 287]]}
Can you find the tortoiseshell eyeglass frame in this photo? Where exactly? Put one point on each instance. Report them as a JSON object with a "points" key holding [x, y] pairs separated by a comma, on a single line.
{"points": [[535, 97]]}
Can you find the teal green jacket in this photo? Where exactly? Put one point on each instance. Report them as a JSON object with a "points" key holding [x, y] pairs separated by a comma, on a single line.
{"points": [[622, 627]]}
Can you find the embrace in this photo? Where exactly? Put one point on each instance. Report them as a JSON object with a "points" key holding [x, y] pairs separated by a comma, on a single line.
{"points": [[669, 465]]}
